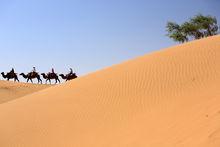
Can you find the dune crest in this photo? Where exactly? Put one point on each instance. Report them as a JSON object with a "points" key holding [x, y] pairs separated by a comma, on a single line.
{"points": [[168, 98], [11, 91]]}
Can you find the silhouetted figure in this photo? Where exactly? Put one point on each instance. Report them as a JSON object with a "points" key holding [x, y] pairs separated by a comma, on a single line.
{"points": [[51, 76], [10, 75], [68, 76], [12, 71], [71, 71], [34, 69], [52, 70], [32, 75], [33, 72]]}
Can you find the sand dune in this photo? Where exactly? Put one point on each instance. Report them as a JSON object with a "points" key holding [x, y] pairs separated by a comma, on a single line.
{"points": [[10, 90], [169, 98]]}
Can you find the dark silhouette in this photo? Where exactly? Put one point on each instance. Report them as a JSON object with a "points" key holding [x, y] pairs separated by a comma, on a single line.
{"points": [[12, 70], [68, 76], [52, 70], [10, 75], [32, 75], [34, 69], [71, 71], [50, 76]]}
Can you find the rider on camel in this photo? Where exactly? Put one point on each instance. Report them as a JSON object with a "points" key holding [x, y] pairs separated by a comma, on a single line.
{"points": [[71, 71], [34, 71], [52, 71], [12, 71]]}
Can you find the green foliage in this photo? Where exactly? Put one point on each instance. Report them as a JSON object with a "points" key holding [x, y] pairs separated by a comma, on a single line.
{"points": [[207, 24], [175, 32], [197, 27]]}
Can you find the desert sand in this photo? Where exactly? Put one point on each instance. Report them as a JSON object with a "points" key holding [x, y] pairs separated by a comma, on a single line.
{"points": [[10, 90], [169, 98]]}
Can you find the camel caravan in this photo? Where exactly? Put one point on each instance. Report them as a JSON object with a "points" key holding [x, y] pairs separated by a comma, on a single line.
{"points": [[35, 75]]}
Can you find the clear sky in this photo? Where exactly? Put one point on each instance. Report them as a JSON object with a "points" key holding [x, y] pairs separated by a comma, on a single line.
{"points": [[88, 35]]}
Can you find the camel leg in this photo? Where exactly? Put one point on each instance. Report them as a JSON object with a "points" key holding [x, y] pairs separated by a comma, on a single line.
{"points": [[16, 79], [47, 80], [39, 81], [31, 81], [27, 80]]}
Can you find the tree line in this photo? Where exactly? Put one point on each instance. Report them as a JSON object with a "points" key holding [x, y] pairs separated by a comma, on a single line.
{"points": [[197, 27]]}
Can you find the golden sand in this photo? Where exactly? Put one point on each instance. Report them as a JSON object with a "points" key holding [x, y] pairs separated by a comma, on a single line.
{"points": [[169, 98]]}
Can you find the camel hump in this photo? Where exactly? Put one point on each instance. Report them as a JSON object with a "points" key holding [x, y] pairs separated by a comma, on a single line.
{"points": [[32, 74], [52, 74]]}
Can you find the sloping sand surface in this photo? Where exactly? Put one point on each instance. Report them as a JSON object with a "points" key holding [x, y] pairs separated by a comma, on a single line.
{"points": [[10, 90], [170, 98]]}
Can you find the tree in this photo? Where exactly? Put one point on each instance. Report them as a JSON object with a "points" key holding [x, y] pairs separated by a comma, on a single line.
{"points": [[175, 32], [191, 30], [197, 27], [207, 24]]}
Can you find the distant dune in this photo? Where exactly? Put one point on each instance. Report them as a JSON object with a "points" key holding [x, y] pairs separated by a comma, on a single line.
{"points": [[169, 98], [10, 90]]}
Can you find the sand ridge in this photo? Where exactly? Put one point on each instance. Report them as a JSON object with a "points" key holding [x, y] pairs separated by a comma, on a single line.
{"points": [[11, 90], [167, 98]]}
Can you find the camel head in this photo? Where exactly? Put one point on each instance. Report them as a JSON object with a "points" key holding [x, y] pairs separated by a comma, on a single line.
{"points": [[22, 74], [75, 75], [3, 75], [44, 75], [62, 76]]}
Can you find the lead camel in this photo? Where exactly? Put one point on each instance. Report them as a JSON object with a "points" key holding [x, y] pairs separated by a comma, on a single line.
{"points": [[10, 75]]}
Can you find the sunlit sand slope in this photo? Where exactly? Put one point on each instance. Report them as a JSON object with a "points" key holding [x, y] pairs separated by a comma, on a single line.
{"points": [[170, 98], [10, 90]]}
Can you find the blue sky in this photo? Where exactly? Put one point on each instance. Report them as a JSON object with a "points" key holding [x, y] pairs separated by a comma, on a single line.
{"points": [[88, 35]]}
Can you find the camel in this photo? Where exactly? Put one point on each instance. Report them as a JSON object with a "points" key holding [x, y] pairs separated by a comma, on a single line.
{"points": [[68, 77], [32, 75], [10, 75], [50, 76]]}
